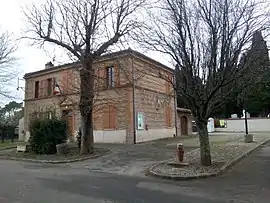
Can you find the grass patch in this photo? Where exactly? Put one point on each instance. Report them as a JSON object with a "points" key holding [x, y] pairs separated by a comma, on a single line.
{"points": [[72, 154], [8, 144]]}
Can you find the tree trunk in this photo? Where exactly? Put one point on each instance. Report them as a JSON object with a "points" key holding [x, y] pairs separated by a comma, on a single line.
{"points": [[204, 142], [86, 106], [87, 134]]}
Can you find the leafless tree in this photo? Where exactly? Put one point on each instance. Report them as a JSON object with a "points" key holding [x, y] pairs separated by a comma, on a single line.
{"points": [[205, 39], [7, 62], [69, 92], [86, 29]]}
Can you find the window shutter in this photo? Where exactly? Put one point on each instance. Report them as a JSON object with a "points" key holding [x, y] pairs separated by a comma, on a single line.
{"points": [[112, 113], [76, 82], [102, 78], [117, 75], [97, 79], [41, 88], [45, 89], [70, 81], [67, 81], [169, 85], [62, 82], [50, 86], [109, 117], [106, 118], [168, 116]]}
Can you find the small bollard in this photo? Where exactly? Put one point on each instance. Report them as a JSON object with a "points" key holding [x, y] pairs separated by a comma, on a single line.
{"points": [[180, 152]]}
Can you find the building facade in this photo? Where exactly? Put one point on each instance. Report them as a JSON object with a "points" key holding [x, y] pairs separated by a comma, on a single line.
{"points": [[134, 98]]}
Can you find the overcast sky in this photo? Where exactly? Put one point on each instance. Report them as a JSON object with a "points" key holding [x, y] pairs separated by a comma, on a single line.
{"points": [[32, 58]]}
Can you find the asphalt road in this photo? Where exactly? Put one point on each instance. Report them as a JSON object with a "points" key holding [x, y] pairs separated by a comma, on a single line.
{"points": [[248, 181]]}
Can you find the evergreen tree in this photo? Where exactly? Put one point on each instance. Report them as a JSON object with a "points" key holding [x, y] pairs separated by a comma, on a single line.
{"points": [[256, 98]]}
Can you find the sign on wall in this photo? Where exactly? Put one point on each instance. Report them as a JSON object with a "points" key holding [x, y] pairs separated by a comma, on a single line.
{"points": [[140, 120]]}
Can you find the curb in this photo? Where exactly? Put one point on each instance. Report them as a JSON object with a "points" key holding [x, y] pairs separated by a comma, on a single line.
{"points": [[222, 170], [8, 148], [54, 161]]}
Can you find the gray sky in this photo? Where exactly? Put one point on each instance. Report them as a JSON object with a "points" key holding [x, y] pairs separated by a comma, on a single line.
{"points": [[32, 58]]}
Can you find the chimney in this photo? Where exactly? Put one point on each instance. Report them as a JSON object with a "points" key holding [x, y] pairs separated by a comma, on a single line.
{"points": [[49, 65]]}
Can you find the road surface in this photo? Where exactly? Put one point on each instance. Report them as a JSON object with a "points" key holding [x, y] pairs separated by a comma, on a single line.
{"points": [[20, 182]]}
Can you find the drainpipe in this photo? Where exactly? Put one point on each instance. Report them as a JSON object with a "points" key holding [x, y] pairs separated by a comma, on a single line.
{"points": [[175, 106], [133, 102]]}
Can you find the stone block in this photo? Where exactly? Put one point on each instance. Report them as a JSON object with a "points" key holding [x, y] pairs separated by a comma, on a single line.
{"points": [[248, 138], [62, 148], [23, 148]]}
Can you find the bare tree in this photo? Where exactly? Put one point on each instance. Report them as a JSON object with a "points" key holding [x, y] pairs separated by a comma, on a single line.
{"points": [[102, 100], [205, 39], [86, 29], [7, 62]]}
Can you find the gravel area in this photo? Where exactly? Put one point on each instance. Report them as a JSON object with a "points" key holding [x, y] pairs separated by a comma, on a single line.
{"points": [[220, 153]]}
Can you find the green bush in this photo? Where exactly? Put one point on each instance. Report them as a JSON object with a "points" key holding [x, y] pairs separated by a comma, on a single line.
{"points": [[46, 134]]}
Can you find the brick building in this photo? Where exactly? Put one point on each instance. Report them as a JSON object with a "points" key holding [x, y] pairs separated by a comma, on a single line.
{"points": [[133, 101]]}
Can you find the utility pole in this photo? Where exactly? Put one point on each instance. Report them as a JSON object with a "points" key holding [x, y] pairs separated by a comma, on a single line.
{"points": [[133, 102]]}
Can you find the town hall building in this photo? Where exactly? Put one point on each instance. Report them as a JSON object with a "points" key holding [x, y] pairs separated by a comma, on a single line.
{"points": [[134, 99]]}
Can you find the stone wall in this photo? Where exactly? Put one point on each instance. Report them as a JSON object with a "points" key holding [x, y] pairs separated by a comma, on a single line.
{"points": [[254, 125]]}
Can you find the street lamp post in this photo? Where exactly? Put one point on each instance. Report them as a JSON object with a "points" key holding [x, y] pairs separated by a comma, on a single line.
{"points": [[246, 124]]}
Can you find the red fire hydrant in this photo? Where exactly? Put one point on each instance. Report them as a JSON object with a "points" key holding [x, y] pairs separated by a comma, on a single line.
{"points": [[180, 152]]}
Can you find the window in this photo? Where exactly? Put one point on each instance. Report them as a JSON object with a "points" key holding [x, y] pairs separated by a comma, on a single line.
{"points": [[49, 86], [110, 77], [36, 89]]}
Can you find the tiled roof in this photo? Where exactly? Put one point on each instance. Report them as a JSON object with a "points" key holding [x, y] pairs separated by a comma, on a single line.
{"points": [[103, 57]]}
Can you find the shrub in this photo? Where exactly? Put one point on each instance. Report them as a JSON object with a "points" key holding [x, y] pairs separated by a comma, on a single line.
{"points": [[46, 134]]}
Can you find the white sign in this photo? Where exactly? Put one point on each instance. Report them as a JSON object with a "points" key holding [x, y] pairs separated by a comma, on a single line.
{"points": [[140, 121]]}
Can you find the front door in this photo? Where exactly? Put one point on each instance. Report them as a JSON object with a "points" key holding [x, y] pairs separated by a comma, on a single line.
{"points": [[184, 125], [67, 115]]}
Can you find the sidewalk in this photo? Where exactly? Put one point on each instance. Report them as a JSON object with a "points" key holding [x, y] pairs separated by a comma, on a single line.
{"points": [[247, 182]]}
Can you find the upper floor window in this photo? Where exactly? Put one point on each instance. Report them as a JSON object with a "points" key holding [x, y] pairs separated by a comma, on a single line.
{"points": [[44, 88], [36, 89], [49, 86], [110, 77]]}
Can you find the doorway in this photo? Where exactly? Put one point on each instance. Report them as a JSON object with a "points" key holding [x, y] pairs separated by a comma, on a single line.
{"points": [[67, 115], [184, 125]]}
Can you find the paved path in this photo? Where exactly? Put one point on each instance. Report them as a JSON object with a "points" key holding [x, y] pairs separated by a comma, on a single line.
{"points": [[249, 181], [131, 160]]}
